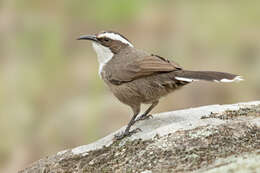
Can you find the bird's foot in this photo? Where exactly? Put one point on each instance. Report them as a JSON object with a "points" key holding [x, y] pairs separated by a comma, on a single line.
{"points": [[144, 117], [124, 134]]}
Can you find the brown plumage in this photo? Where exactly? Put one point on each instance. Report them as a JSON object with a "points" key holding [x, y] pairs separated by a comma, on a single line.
{"points": [[136, 77]]}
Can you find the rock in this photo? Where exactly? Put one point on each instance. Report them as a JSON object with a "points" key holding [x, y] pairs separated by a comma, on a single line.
{"points": [[215, 138]]}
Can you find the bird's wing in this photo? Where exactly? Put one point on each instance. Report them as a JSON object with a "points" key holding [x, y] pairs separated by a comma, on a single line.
{"points": [[144, 66]]}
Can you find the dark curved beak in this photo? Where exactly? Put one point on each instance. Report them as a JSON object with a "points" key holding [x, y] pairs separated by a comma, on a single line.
{"points": [[88, 37]]}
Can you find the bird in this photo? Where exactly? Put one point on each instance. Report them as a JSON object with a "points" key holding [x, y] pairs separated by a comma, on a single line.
{"points": [[137, 77]]}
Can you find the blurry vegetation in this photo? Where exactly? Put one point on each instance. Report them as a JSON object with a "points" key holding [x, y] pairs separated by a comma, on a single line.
{"points": [[51, 96]]}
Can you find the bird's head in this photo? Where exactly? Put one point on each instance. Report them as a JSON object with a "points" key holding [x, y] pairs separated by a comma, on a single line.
{"points": [[114, 41], [106, 44]]}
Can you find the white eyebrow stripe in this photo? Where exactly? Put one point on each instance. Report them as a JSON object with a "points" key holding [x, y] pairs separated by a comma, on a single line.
{"points": [[115, 37]]}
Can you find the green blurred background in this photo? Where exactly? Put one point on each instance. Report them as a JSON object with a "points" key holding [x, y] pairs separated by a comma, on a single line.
{"points": [[51, 97]]}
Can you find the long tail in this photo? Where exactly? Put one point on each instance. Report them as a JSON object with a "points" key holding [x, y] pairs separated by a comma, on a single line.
{"points": [[189, 76]]}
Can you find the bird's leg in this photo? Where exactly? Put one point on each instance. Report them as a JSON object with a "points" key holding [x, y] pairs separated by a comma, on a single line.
{"points": [[127, 131], [146, 114]]}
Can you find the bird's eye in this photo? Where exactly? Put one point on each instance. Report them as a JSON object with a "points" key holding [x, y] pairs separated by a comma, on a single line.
{"points": [[106, 39]]}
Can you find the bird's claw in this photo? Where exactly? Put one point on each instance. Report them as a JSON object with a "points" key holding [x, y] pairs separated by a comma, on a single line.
{"points": [[124, 134], [144, 117]]}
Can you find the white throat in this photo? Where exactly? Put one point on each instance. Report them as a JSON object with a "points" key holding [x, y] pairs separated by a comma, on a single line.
{"points": [[104, 55]]}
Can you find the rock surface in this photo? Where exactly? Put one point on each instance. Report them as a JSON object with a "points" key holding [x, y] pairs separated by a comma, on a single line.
{"points": [[215, 138]]}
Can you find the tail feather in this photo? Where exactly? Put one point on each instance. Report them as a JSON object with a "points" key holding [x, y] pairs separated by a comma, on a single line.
{"points": [[189, 76]]}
